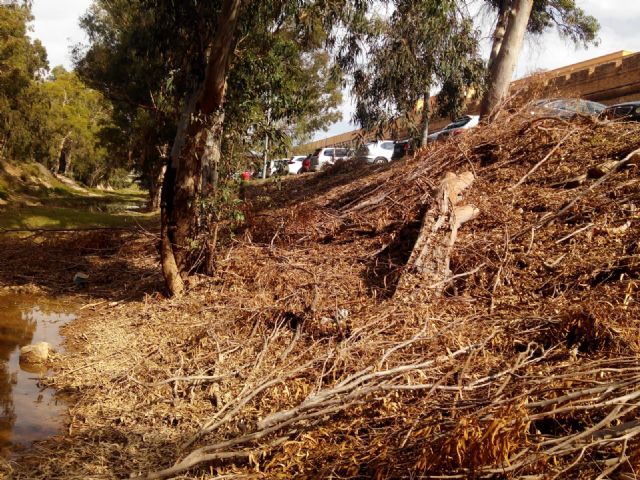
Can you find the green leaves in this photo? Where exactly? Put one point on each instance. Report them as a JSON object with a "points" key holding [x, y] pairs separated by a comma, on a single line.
{"points": [[50, 120], [425, 44], [569, 20]]}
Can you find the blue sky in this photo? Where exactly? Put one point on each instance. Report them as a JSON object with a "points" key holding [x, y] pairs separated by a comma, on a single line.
{"points": [[56, 24]]}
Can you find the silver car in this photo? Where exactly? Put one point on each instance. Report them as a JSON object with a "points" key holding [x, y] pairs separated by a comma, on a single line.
{"points": [[327, 156], [379, 151]]}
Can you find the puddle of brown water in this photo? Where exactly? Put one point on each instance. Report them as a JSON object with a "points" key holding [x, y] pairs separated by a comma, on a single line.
{"points": [[27, 412]]}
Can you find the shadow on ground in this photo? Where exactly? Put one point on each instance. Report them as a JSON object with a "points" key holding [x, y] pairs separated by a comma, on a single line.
{"points": [[121, 265], [292, 190]]}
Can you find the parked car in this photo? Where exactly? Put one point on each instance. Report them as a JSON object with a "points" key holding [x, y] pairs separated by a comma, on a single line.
{"points": [[629, 111], [295, 164], [566, 107], [456, 127], [402, 148], [327, 156], [274, 167], [379, 151], [306, 164]]}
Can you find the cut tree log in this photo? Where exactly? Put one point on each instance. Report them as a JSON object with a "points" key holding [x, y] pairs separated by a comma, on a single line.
{"points": [[430, 259]]}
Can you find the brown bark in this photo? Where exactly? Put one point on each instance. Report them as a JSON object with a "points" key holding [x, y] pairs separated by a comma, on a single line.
{"points": [[196, 145], [501, 71], [427, 269], [498, 34]]}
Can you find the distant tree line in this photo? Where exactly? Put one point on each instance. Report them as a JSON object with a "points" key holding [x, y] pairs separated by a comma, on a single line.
{"points": [[51, 116]]}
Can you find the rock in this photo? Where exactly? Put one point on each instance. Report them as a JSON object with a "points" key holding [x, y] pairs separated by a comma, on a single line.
{"points": [[81, 279], [35, 354]]}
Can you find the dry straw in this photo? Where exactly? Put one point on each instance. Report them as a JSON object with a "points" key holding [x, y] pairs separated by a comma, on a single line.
{"points": [[300, 359]]}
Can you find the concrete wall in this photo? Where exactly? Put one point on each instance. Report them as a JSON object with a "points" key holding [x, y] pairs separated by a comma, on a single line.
{"points": [[609, 79]]}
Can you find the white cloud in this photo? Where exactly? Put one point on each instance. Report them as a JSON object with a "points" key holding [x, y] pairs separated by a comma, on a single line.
{"points": [[619, 31], [56, 25]]}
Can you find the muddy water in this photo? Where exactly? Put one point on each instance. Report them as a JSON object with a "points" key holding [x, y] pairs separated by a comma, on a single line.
{"points": [[27, 411]]}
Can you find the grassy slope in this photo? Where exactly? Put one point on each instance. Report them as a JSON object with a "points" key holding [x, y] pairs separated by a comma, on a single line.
{"points": [[32, 198]]}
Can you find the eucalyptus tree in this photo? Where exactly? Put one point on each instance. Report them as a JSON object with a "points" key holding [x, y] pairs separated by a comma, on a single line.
{"points": [[74, 117], [124, 62], [570, 21], [422, 45], [196, 149], [22, 62], [514, 19], [280, 88], [212, 80]]}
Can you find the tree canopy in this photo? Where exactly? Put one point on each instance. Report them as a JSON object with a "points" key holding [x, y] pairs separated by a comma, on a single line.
{"points": [[52, 118], [424, 44]]}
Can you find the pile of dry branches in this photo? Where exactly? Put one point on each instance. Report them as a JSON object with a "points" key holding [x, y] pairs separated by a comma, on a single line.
{"points": [[323, 349]]}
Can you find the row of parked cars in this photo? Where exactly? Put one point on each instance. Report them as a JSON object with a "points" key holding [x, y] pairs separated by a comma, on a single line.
{"points": [[384, 151], [375, 152], [570, 107], [381, 151]]}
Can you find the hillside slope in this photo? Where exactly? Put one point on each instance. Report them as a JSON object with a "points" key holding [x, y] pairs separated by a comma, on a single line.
{"points": [[329, 346]]}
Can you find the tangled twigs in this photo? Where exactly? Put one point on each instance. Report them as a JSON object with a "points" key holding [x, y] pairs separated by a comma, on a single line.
{"points": [[539, 164], [351, 391], [634, 155], [327, 374]]}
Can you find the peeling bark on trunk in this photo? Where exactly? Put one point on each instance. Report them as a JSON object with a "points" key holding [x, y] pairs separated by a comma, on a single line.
{"points": [[212, 153], [195, 149], [62, 163], [501, 71], [155, 187], [427, 270]]}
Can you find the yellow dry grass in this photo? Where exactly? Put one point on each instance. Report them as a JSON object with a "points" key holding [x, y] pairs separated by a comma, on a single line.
{"points": [[298, 359]]}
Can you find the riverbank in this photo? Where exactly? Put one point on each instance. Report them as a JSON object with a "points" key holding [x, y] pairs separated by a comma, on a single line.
{"points": [[321, 349], [32, 198]]}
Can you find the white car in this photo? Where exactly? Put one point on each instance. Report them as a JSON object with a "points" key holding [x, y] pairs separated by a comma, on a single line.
{"points": [[295, 164], [379, 151], [455, 128], [327, 156]]}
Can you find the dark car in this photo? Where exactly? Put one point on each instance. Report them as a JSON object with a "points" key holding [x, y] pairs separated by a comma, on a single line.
{"points": [[566, 108], [629, 111], [402, 148]]}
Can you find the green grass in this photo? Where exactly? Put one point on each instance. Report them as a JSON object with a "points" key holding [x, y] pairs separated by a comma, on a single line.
{"points": [[71, 210], [46, 217], [59, 206]]}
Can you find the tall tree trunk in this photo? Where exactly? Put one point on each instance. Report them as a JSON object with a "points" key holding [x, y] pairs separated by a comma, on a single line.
{"points": [[501, 71], [498, 34], [198, 137], [155, 184], [426, 113], [212, 154], [61, 163]]}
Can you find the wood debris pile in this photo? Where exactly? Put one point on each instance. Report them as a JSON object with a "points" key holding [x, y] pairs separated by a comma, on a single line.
{"points": [[357, 328]]}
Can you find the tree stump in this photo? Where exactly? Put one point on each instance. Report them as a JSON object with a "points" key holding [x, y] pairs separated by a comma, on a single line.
{"points": [[427, 270]]}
